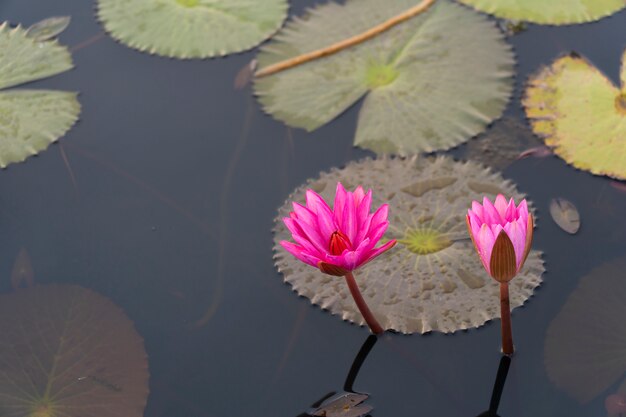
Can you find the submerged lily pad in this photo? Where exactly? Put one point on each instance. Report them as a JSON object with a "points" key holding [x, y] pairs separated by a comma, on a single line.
{"points": [[585, 350], [192, 28], [67, 351], [548, 12], [501, 144], [432, 279], [581, 114], [30, 120], [429, 83]]}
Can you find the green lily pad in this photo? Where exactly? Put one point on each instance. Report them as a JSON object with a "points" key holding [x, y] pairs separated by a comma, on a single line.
{"points": [[30, 120], [67, 351], [548, 12], [581, 114], [429, 83], [432, 279], [585, 348], [192, 28]]}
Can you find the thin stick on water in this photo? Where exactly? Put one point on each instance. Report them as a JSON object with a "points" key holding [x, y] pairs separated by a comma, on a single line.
{"points": [[346, 43], [371, 321]]}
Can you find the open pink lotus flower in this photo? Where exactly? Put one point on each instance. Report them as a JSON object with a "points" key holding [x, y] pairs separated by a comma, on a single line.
{"points": [[338, 240], [502, 234]]}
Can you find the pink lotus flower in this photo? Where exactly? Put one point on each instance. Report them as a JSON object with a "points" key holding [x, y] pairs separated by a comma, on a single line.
{"points": [[502, 234], [338, 240]]}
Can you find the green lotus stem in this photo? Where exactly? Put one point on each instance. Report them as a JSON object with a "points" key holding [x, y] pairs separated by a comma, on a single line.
{"points": [[346, 43], [505, 312], [371, 321]]}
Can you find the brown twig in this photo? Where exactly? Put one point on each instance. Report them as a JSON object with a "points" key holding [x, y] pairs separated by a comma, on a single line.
{"points": [[346, 43]]}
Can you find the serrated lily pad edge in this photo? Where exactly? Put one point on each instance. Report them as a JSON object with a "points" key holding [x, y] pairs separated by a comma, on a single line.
{"points": [[218, 54]]}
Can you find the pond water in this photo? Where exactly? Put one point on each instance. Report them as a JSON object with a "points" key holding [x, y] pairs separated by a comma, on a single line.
{"points": [[165, 204]]}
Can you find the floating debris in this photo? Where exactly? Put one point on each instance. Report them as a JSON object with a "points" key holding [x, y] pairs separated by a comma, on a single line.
{"points": [[48, 28], [344, 405], [565, 215]]}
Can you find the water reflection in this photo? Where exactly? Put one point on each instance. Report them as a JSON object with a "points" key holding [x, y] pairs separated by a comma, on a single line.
{"points": [[498, 388], [347, 403]]}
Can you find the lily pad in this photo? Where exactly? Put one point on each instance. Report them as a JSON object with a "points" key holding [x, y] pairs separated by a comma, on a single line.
{"points": [[432, 280], [429, 83], [585, 350], [30, 120], [501, 144], [565, 215], [581, 114], [192, 28], [67, 351], [551, 12]]}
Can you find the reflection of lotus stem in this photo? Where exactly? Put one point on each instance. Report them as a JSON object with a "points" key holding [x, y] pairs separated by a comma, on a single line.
{"points": [[371, 321], [505, 313], [346, 43]]}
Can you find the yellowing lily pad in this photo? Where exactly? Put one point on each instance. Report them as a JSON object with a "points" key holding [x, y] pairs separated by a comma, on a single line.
{"points": [[548, 12], [429, 83], [581, 114], [31, 119], [67, 351], [585, 350], [432, 280], [192, 28]]}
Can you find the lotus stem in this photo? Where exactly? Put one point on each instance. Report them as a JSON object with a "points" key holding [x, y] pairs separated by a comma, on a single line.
{"points": [[346, 43], [505, 313], [371, 321]]}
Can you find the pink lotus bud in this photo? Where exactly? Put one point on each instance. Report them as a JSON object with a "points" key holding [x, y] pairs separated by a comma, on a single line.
{"points": [[341, 239], [502, 234]]}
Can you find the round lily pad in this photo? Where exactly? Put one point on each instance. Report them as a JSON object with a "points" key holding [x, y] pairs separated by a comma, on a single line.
{"points": [[192, 28], [429, 83], [31, 119], [432, 280], [581, 114], [67, 351], [585, 350], [550, 12]]}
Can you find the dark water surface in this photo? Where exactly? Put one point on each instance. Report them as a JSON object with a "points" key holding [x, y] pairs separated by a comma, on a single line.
{"points": [[178, 178]]}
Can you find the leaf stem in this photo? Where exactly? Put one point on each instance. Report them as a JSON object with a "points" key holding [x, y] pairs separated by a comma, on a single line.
{"points": [[505, 313], [346, 43], [371, 321]]}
